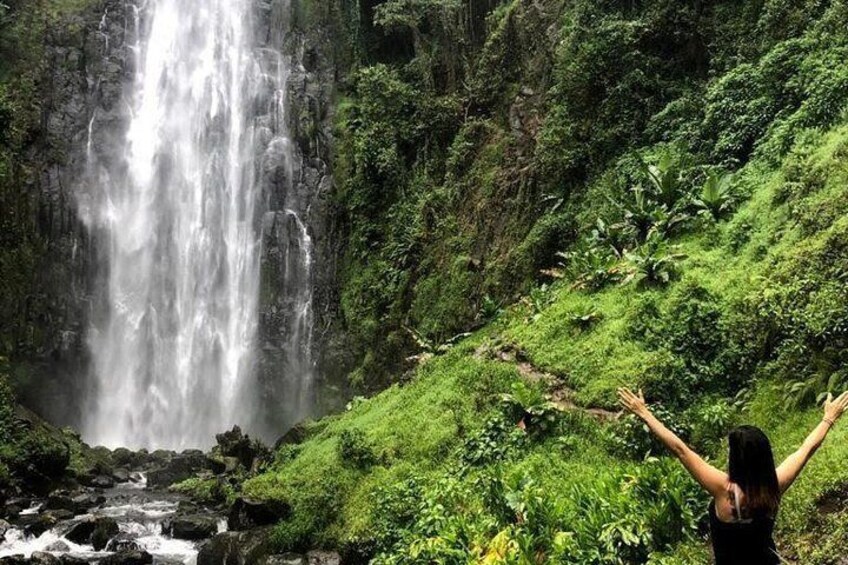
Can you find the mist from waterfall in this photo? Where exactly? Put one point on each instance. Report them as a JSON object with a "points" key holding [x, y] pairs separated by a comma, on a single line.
{"points": [[179, 208]]}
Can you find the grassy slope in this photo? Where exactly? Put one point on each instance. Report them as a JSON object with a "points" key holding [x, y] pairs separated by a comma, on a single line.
{"points": [[421, 429]]}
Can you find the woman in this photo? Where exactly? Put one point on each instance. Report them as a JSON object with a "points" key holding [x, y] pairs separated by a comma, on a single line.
{"points": [[746, 497]]}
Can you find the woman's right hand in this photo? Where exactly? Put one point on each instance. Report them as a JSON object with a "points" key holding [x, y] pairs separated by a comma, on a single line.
{"points": [[835, 407], [635, 403]]}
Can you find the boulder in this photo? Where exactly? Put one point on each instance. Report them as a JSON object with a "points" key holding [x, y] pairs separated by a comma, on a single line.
{"points": [[60, 515], [58, 546], [121, 475], [43, 558], [104, 530], [135, 557], [159, 458], [246, 513], [102, 481], [11, 510], [236, 444], [236, 548], [36, 524], [96, 531], [123, 457], [319, 557], [296, 434], [177, 468], [14, 560], [81, 532], [284, 559], [123, 542], [59, 501], [4, 527], [85, 502], [192, 527]]}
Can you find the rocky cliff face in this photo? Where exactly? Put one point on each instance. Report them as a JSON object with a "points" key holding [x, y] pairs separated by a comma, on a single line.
{"points": [[310, 93], [83, 78], [90, 65]]}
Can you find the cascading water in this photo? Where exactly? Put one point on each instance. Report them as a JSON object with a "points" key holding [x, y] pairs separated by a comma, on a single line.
{"points": [[180, 215]]}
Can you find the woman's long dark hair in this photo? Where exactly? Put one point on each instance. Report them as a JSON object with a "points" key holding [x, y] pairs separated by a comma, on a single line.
{"points": [[751, 467]]}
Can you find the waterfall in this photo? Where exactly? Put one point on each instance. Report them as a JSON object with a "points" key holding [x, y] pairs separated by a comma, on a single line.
{"points": [[178, 209]]}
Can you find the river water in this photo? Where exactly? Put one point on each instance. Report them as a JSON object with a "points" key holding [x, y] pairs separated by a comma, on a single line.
{"points": [[140, 514]]}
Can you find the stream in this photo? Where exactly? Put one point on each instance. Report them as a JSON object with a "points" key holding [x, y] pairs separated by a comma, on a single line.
{"points": [[141, 515]]}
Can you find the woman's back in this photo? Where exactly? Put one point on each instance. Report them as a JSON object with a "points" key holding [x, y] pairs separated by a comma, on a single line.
{"points": [[743, 542]]}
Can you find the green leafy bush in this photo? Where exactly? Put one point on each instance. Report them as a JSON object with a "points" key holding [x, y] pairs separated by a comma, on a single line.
{"points": [[355, 450]]}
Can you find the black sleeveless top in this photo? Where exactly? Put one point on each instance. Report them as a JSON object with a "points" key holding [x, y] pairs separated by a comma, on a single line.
{"points": [[745, 542]]}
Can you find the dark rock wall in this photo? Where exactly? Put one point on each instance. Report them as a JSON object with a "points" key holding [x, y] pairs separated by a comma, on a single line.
{"points": [[84, 74], [288, 26]]}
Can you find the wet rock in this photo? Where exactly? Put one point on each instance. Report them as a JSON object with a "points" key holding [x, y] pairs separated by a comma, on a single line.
{"points": [[43, 558], [217, 465], [60, 515], [58, 546], [14, 560], [136, 557], [123, 457], [14, 506], [319, 557], [96, 531], [81, 532], [103, 481], [104, 530], [85, 502], [236, 444], [177, 468], [159, 456], [193, 527], [121, 475], [71, 560], [295, 435], [59, 501], [246, 513], [123, 542], [284, 559], [243, 548], [4, 527], [36, 524]]}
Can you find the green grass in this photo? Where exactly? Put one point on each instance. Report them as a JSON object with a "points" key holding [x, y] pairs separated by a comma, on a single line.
{"points": [[574, 493]]}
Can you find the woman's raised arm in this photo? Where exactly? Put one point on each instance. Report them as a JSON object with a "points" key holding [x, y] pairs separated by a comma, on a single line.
{"points": [[713, 480], [789, 470]]}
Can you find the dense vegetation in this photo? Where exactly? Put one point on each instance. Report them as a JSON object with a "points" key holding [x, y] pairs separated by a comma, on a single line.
{"points": [[641, 192], [650, 193]]}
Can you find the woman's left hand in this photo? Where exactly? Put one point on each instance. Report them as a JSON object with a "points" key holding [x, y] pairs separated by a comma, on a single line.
{"points": [[633, 402]]}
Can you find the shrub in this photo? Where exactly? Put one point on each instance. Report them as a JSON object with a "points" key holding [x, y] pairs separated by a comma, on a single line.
{"points": [[355, 450]]}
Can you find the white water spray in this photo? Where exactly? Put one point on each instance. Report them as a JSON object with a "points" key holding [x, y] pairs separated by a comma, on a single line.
{"points": [[173, 358]]}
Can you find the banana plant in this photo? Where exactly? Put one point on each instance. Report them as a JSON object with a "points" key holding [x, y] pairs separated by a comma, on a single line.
{"points": [[665, 179], [652, 263], [716, 197]]}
